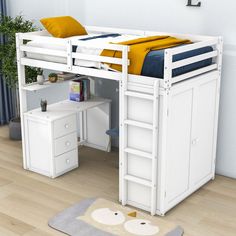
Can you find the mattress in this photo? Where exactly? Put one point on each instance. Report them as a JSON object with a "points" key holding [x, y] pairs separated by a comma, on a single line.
{"points": [[153, 65]]}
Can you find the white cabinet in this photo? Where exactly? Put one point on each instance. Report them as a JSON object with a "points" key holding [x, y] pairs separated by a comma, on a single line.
{"points": [[191, 128], [51, 139]]}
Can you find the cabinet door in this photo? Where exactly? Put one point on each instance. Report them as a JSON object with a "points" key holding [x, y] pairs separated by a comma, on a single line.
{"points": [[39, 145], [178, 143], [202, 142]]}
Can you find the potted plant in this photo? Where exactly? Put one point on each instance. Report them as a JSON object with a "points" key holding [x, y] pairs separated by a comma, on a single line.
{"points": [[53, 77], [8, 28]]}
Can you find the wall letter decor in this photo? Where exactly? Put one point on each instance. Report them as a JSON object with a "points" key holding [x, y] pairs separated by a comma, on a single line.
{"points": [[190, 4]]}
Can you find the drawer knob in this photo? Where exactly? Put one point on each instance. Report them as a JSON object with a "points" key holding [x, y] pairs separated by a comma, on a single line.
{"points": [[67, 161], [67, 143], [66, 126]]}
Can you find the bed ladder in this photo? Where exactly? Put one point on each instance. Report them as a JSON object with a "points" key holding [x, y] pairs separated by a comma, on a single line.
{"points": [[125, 150]]}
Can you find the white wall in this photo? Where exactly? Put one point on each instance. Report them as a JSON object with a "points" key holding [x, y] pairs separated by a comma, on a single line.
{"points": [[213, 18], [37, 9]]}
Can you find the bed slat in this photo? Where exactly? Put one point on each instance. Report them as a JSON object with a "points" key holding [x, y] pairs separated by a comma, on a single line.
{"points": [[43, 39], [193, 46], [44, 64], [193, 73], [88, 57], [88, 44], [194, 59], [43, 51]]}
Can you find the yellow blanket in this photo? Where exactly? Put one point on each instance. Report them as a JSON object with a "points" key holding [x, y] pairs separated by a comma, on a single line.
{"points": [[139, 48]]}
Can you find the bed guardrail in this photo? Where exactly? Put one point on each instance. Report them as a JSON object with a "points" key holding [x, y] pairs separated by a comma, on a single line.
{"points": [[69, 55], [170, 65]]}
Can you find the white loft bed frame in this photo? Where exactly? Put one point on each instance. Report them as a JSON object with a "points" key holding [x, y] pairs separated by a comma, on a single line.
{"points": [[155, 90]]}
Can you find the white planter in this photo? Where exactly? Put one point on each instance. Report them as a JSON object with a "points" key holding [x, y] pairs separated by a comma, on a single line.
{"points": [[40, 79]]}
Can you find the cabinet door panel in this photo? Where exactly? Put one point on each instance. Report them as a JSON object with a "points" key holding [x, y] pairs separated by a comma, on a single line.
{"points": [[203, 132], [178, 144], [39, 146]]}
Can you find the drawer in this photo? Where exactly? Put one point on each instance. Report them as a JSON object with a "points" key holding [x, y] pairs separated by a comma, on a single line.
{"points": [[65, 144], [64, 126], [66, 162]]}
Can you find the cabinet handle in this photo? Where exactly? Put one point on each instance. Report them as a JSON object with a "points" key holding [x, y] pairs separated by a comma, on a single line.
{"points": [[67, 161], [67, 143], [66, 126]]}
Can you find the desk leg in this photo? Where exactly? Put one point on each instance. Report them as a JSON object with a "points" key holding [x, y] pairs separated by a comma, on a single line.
{"points": [[83, 127]]}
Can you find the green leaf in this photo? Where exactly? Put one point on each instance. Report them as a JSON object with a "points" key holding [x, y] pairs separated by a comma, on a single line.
{"points": [[8, 64]]}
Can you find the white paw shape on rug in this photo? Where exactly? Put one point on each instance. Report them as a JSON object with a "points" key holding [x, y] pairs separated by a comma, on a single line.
{"points": [[107, 217], [140, 227]]}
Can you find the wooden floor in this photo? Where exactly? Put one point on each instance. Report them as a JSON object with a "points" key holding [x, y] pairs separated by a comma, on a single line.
{"points": [[28, 200]]}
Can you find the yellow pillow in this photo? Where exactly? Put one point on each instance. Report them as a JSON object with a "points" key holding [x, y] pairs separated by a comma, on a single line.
{"points": [[63, 26]]}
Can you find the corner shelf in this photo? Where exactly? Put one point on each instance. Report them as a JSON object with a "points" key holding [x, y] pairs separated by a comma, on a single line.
{"points": [[33, 87]]}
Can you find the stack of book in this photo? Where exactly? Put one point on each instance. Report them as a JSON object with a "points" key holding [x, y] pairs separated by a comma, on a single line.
{"points": [[80, 90]]}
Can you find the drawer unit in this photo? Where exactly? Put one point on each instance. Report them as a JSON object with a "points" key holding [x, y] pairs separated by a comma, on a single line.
{"points": [[64, 126], [51, 139], [66, 162], [65, 144]]}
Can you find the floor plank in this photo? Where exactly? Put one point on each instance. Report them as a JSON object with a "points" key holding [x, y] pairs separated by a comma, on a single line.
{"points": [[14, 225]]}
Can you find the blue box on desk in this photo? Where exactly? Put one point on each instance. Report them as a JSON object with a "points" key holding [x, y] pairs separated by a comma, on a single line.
{"points": [[80, 90], [75, 91]]}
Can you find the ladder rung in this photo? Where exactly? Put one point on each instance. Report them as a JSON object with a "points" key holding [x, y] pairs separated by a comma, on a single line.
{"points": [[139, 124], [138, 153], [137, 180], [139, 95]]}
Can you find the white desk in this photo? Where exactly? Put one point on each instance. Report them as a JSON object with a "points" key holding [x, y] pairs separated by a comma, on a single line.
{"points": [[51, 137]]}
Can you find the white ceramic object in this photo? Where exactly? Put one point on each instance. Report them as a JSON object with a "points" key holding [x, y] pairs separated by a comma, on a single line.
{"points": [[40, 79]]}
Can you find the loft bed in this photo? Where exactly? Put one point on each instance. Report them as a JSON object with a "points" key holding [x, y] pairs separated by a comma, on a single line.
{"points": [[165, 123]]}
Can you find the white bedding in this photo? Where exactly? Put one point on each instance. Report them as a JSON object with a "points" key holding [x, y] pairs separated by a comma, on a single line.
{"points": [[78, 62]]}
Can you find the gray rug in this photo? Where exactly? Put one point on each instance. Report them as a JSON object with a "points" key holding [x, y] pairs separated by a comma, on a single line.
{"points": [[99, 217]]}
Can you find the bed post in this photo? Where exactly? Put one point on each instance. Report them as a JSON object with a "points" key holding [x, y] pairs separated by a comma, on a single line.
{"points": [[219, 68], [155, 147], [123, 132], [163, 132], [22, 93]]}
